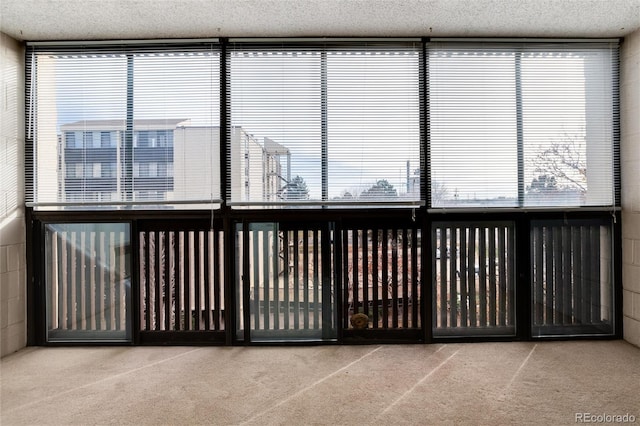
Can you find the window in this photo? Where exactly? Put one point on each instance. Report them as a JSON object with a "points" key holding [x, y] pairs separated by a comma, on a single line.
{"points": [[132, 99], [473, 118], [325, 124], [70, 139], [471, 125], [522, 125], [107, 140]]}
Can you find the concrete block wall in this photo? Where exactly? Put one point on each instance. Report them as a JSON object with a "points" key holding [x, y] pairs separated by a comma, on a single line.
{"points": [[630, 165], [13, 330]]}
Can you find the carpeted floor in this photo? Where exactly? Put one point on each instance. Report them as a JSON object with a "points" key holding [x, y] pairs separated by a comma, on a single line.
{"points": [[479, 383]]}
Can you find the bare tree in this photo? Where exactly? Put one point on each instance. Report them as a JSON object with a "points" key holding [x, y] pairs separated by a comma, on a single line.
{"points": [[565, 161], [439, 193]]}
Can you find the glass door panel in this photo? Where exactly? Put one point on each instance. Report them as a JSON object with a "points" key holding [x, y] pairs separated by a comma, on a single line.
{"points": [[88, 282], [285, 283]]}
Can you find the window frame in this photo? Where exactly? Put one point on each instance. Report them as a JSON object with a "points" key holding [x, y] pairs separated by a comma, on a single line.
{"points": [[224, 47]]}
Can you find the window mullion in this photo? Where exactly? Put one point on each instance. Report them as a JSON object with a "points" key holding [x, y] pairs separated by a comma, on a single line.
{"points": [[128, 135], [324, 160], [519, 127]]}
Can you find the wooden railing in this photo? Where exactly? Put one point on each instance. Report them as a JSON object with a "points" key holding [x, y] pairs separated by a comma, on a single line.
{"points": [[474, 275], [381, 276], [572, 288], [181, 280]]}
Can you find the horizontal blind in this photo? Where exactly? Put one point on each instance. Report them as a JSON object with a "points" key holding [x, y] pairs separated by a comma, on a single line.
{"points": [[473, 126], [522, 124], [568, 106], [134, 125], [325, 124]]}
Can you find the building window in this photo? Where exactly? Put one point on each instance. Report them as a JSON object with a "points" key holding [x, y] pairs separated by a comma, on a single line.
{"points": [[70, 139], [107, 140]]}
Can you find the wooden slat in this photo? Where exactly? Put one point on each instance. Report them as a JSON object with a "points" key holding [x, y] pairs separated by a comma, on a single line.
{"points": [[62, 279], [415, 298], [567, 289], [104, 280], [157, 281], [188, 279], [453, 275], [305, 278], [166, 269], [375, 282], [464, 266], [217, 294], [355, 265], [549, 277], [276, 280], [405, 279], [296, 278], [471, 277], [206, 285], [125, 282], [266, 277], [385, 278], [594, 246], [441, 238], [394, 278], [197, 279], [557, 275], [179, 277], [492, 257], [504, 256], [576, 244], [76, 280], [84, 275], [112, 281], [365, 270], [92, 280], [346, 292], [285, 286], [316, 280], [511, 260], [538, 276], [482, 276]]}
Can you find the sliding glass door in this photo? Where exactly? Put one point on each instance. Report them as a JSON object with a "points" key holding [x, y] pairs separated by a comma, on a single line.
{"points": [[88, 281]]}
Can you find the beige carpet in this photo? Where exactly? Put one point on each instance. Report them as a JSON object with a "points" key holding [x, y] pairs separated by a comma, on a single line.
{"points": [[480, 383]]}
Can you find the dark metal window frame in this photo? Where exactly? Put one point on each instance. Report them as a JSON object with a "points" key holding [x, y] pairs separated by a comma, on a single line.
{"points": [[227, 219]]}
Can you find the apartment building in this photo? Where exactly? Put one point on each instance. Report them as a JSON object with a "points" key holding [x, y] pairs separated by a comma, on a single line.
{"points": [[167, 160]]}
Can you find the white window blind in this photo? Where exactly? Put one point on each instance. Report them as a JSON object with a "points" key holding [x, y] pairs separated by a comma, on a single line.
{"points": [[310, 123], [522, 125], [473, 126], [120, 115], [325, 125], [568, 105]]}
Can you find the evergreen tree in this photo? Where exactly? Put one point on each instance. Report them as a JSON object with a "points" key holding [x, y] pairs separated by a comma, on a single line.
{"points": [[296, 189]]}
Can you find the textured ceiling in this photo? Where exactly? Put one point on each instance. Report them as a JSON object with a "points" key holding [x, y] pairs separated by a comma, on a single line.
{"points": [[145, 19]]}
